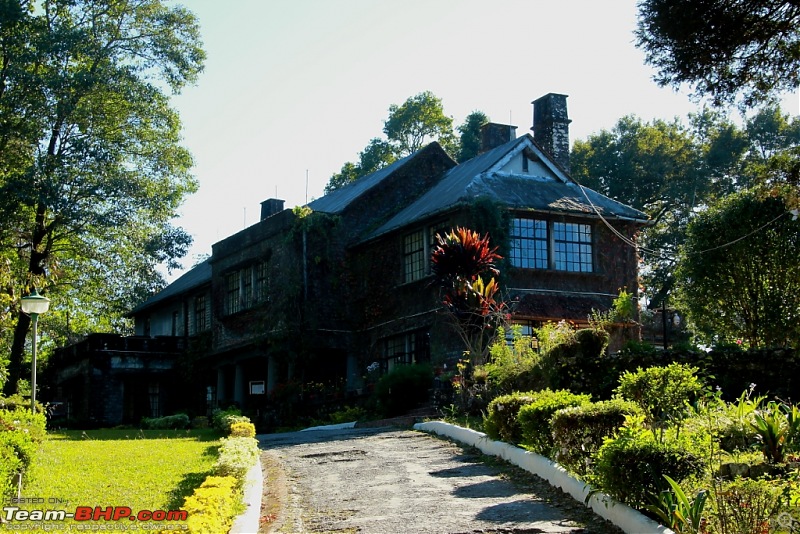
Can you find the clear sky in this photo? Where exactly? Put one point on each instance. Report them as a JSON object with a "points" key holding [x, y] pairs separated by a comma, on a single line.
{"points": [[292, 89]]}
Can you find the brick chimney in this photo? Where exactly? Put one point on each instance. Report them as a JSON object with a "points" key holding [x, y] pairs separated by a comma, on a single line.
{"points": [[270, 207], [493, 135], [551, 127]]}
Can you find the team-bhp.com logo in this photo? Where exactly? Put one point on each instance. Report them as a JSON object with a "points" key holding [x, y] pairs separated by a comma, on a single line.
{"points": [[145, 519]]}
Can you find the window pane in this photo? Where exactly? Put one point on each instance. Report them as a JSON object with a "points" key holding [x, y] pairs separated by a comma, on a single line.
{"points": [[413, 256], [529, 243], [572, 246]]}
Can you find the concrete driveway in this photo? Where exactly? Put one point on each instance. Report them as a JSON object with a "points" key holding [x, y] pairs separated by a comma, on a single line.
{"points": [[387, 480]]}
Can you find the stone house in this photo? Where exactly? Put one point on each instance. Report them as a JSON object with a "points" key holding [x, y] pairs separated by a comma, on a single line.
{"points": [[313, 295]]}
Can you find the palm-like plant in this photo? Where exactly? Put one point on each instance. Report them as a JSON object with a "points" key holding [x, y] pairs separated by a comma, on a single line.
{"points": [[464, 268]]}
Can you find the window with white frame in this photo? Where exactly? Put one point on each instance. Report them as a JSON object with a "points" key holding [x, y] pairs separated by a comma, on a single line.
{"points": [[542, 244]]}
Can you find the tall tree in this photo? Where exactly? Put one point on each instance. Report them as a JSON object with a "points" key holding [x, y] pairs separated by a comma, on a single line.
{"points": [[470, 135], [654, 167], [91, 167], [418, 121], [739, 277], [724, 48], [410, 126], [671, 171]]}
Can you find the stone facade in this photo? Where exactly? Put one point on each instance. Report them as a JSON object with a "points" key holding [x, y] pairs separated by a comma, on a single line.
{"points": [[310, 297]]}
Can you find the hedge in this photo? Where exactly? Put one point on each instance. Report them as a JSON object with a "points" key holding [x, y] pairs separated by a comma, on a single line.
{"points": [[534, 418]]}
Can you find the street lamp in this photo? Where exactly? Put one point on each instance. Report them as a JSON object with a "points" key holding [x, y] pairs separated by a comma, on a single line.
{"points": [[34, 305]]}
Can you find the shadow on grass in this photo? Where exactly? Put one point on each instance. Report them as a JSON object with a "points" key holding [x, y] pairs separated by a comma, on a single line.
{"points": [[186, 487]]}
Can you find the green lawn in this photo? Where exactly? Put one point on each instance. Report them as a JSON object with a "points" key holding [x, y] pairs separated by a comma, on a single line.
{"points": [[143, 470]]}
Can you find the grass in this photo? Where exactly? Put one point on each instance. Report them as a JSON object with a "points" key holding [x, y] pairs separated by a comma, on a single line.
{"points": [[140, 469]]}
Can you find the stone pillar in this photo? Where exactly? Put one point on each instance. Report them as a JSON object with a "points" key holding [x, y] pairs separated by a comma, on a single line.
{"points": [[221, 393], [272, 374], [238, 385]]}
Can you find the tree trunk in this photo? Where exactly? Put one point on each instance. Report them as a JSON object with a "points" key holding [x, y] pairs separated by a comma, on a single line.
{"points": [[17, 352]]}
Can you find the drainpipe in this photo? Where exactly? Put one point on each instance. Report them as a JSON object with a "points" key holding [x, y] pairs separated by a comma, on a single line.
{"points": [[305, 266]]}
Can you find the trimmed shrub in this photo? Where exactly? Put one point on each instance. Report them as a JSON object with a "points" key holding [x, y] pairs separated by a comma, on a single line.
{"points": [[236, 457], [403, 389], [501, 422], [243, 430], [19, 418], [534, 417], [578, 432], [663, 393], [10, 465], [631, 467], [168, 422], [213, 506], [579, 363], [223, 419]]}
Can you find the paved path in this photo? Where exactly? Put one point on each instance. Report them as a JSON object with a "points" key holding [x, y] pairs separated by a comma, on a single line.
{"points": [[403, 481]]}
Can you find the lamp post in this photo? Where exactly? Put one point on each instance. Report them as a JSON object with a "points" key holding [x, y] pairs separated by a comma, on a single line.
{"points": [[34, 305]]}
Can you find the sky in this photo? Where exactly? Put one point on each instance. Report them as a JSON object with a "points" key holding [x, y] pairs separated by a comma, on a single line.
{"points": [[293, 89]]}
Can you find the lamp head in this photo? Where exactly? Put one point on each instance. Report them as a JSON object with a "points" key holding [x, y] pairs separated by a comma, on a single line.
{"points": [[35, 304]]}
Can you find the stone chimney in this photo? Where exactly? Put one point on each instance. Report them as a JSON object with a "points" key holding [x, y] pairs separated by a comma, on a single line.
{"points": [[270, 207], [551, 127], [493, 135]]}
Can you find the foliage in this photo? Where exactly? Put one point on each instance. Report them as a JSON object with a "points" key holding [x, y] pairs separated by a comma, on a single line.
{"points": [[671, 170], [501, 421], [745, 506], [236, 456], [735, 422], [550, 335], [408, 128], [579, 432], [471, 136], [91, 168], [631, 466], [377, 155], [222, 420], [243, 429], [663, 393], [723, 49], [403, 388], [213, 506], [512, 366], [738, 275], [534, 417], [460, 264], [778, 430], [416, 122], [579, 363], [677, 511], [21, 419], [180, 420]]}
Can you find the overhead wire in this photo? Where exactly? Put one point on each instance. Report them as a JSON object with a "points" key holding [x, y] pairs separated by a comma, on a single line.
{"points": [[660, 254]]}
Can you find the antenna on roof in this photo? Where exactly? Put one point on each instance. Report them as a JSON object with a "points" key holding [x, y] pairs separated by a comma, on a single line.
{"points": [[244, 217], [306, 187]]}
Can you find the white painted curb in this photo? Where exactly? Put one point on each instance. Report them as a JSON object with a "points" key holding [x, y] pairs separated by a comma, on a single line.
{"points": [[248, 521], [629, 520]]}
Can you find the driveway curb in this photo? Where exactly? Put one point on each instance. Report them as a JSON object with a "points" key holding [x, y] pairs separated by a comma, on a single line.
{"points": [[248, 521], [623, 516]]}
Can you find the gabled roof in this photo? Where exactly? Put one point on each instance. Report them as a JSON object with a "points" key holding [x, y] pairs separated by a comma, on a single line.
{"points": [[199, 274], [482, 176], [338, 200]]}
